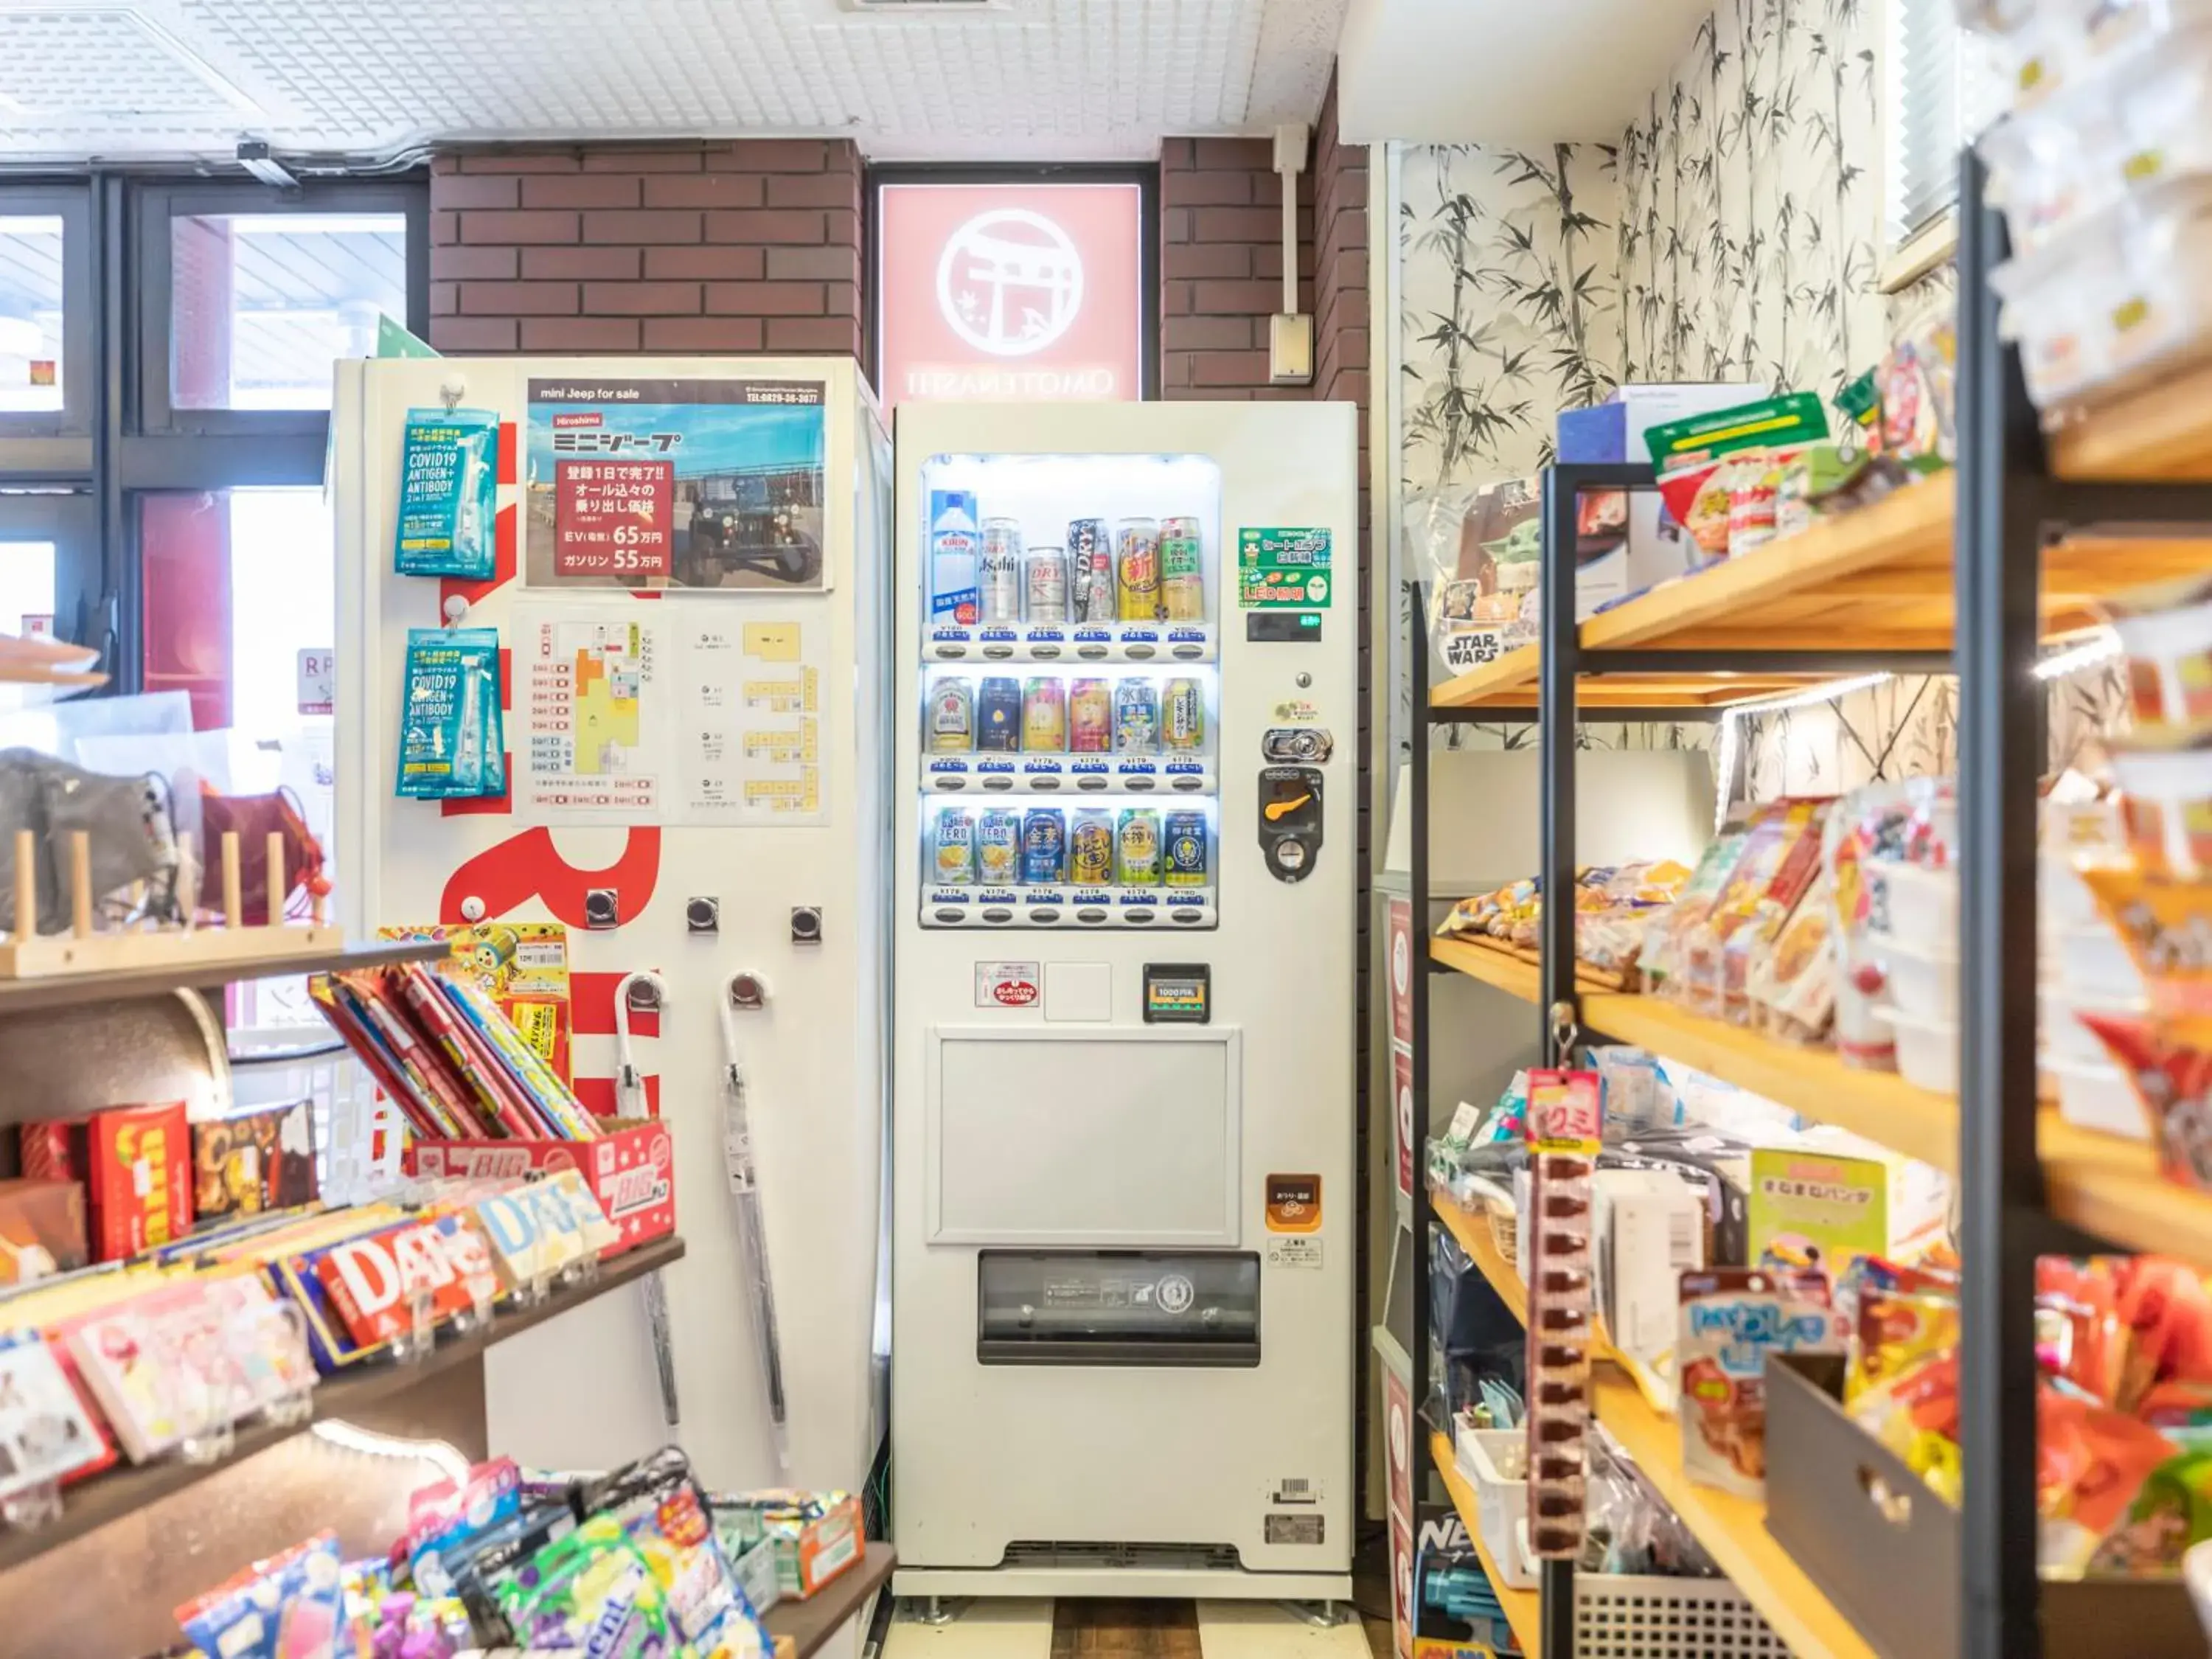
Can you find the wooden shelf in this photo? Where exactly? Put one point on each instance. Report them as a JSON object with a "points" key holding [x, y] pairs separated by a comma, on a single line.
{"points": [[128, 1487], [1495, 965], [18, 996], [2114, 1189], [2157, 431], [807, 1626], [1522, 1607]]}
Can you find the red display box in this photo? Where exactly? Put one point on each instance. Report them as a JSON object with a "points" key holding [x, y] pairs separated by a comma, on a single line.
{"points": [[631, 1171]]}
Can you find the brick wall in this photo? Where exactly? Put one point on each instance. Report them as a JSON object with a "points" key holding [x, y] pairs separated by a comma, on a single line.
{"points": [[752, 245], [1221, 265]]}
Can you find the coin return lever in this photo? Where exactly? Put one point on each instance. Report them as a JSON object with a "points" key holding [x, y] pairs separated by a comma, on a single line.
{"points": [[1290, 820]]}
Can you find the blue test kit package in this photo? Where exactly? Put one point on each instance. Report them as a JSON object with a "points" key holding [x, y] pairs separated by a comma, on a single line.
{"points": [[453, 739], [448, 494]]}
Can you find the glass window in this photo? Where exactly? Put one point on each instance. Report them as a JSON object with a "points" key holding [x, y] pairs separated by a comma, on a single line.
{"points": [[31, 291], [237, 583], [26, 586], [262, 304]]}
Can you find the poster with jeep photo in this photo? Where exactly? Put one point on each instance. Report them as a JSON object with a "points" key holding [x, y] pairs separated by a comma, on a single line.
{"points": [[660, 485]]}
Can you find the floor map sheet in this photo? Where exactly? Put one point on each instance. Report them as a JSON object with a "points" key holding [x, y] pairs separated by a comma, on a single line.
{"points": [[596, 729], [754, 710]]}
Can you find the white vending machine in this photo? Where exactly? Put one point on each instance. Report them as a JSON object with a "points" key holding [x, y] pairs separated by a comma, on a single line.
{"points": [[1123, 1224], [689, 605]]}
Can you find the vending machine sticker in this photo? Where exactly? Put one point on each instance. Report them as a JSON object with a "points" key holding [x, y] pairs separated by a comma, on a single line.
{"points": [[1280, 568], [1293, 1203], [1294, 1252], [1008, 984], [695, 484]]}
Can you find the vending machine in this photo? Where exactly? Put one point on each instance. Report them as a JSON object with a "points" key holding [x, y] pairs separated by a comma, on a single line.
{"points": [[1123, 1224], [691, 629]]}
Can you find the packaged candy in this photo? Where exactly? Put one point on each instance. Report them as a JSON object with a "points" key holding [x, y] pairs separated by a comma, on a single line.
{"points": [[1701, 461], [290, 1606], [1732, 1319], [2171, 1511], [591, 1590], [448, 494], [2091, 1464], [452, 740], [659, 1506], [2168, 1063], [45, 1432], [443, 1519]]}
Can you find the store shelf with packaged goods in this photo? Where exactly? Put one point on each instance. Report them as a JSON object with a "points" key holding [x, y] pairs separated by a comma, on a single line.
{"points": [[123, 1490], [1475, 1237], [803, 1628], [1520, 1606], [1509, 968]]}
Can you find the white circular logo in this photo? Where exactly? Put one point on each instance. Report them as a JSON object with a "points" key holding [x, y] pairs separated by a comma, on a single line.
{"points": [[1402, 964], [1176, 1294], [1010, 282]]}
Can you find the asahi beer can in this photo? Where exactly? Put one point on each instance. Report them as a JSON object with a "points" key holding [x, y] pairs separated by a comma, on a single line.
{"points": [[1137, 847], [1090, 848], [1182, 572], [1044, 716], [998, 847], [1183, 852], [999, 715], [1183, 716], [1046, 583], [1044, 847], [951, 717], [1089, 717], [1136, 718], [1137, 564], [956, 847], [1090, 571], [998, 573]]}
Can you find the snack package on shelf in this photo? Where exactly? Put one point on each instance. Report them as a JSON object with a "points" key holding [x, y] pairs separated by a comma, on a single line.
{"points": [[816, 1534], [660, 1506], [1479, 550], [1731, 1319], [134, 1165], [1613, 907], [1720, 472], [1771, 873], [522, 966], [1893, 894], [251, 1161]]}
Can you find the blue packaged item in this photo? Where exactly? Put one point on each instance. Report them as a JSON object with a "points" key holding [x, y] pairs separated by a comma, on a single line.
{"points": [[289, 1606], [452, 737], [448, 494], [956, 544]]}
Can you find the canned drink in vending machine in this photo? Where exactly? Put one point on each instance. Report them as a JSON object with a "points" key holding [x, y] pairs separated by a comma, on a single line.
{"points": [[999, 715], [1090, 848], [1044, 847], [1183, 716], [1137, 563], [1089, 717], [1089, 571], [1182, 571], [1183, 855], [1137, 847], [998, 847], [998, 574], [952, 718], [955, 847], [1045, 584], [1044, 716], [1136, 718]]}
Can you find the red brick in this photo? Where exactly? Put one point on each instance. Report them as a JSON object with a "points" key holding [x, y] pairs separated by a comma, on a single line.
{"points": [[704, 190], [580, 334], [765, 298], [821, 190], [1229, 369], [519, 299], [1175, 227], [471, 264], [1178, 299], [445, 164], [781, 154], [1205, 259], [843, 225], [813, 334], [527, 161], [1187, 187], [641, 226], [518, 227], [641, 299], [1254, 299], [445, 228], [1244, 224], [1177, 153], [473, 189], [1253, 155], [702, 334], [718, 264], [1208, 333], [444, 299], [1347, 268], [835, 264], [842, 299], [472, 333], [788, 225], [582, 264], [1347, 229], [597, 190], [619, 160]]}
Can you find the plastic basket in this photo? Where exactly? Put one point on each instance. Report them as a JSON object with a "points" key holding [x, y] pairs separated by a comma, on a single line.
{"points": [[1503, 1235], [1490, 1461], [1630, 1617]]}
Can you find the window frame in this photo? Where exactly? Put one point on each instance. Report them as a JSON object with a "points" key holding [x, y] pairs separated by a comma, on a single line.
{"points": [[1145, 176], [41, 443], [156, 205]]}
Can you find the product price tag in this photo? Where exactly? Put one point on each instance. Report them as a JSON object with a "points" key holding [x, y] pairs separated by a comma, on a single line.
{"points": [[1565, 1114], [614, 518]]}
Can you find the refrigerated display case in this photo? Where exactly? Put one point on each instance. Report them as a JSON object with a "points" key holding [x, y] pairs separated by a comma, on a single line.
{"points": [[1126, 784]]}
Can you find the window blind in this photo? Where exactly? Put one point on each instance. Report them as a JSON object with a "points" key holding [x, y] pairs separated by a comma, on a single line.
{"points": [[1945, 87]]}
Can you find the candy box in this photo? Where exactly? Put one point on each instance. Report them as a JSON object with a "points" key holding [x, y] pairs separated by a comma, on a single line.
{"points": [[631, 1169], [536, 1230], [1732, 1319], [253, 1161], [817, 1535], [45, 1432], [370, 1280], [136, 1165], [42, 1230]]}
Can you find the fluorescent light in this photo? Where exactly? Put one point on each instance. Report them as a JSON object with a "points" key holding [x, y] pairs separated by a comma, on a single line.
{"points": [[1732, 739], [2101, 647], [370, 1442]]}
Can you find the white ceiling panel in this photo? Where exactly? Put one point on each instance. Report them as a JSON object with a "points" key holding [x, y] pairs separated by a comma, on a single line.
{"points": [[1022, 80]]}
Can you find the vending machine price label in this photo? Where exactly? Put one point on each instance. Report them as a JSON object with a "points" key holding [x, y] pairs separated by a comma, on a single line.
{"points": [[613, 517], [1282, 568]]}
